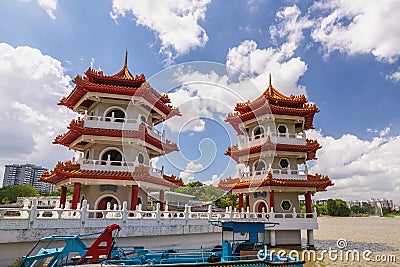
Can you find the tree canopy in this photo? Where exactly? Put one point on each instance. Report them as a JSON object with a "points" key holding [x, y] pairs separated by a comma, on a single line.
{"points": [[337, 207], [9, 194]]}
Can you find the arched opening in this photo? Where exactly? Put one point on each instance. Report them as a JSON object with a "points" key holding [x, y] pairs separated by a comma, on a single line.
{"points": [[87, 156], [119, 115], [102, 204], [115, 157], [258, 132], [259, 206], [259, 166]]}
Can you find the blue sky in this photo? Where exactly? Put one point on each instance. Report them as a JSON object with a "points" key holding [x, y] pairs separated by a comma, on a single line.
{"points": [[344, 55]]}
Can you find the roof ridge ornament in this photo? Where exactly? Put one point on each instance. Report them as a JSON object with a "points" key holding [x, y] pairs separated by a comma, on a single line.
{"points": [[270, 91]]}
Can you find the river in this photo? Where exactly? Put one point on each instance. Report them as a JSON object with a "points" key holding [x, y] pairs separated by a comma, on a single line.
{"points": [[375, 239]]}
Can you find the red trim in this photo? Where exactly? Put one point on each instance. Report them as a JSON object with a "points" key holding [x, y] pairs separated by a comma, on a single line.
{"points": [[76, 130], [247, 201], [308, 202], [311, 147], [76, 196]]}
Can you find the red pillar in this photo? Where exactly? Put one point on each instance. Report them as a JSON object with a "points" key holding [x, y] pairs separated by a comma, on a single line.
{"points": [[247, 201], [134, 197], [240, 201], [63, 196], [76, 195], [162, 197], [308, 202], [272, 200]]}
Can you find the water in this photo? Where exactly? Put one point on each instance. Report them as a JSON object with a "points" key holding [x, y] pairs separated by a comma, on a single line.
{"points": [[379, 235]]}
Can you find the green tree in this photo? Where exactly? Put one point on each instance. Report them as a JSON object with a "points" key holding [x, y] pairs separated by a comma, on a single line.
{"points": [[9, 194], [337, 207]]}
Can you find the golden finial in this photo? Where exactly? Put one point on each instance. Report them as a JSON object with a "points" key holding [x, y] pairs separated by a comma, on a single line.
{"points": [[126, 59], [270, 80]]}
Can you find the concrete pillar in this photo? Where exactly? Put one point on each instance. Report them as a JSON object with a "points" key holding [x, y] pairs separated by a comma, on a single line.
{"points": [[76, 195], [272, 238], [134, 197], [240, 202], [271, 200], [247, 201], [310, 238], [162, 200], [63, 196]]}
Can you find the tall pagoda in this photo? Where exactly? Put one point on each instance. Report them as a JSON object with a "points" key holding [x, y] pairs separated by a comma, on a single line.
{"points": [[274, 150], [116, 138]]}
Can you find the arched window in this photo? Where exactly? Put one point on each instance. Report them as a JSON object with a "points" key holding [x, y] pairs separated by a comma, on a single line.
{"points": [[258, 131], [115, 157], [119, 115], [259, 166], [284, 163], [140, 158]]}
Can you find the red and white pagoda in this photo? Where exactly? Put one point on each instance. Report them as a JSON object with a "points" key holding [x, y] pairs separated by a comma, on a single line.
{"points": [[117, 139], [273, 147]]}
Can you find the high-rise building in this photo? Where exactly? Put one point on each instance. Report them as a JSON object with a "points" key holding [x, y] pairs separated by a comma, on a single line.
{"points": [[16, 174]]}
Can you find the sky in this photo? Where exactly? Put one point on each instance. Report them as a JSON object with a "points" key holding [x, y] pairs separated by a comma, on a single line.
{"points": [[343, 55]]}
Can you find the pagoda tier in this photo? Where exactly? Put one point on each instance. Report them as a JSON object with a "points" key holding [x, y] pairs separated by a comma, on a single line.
{"points": [[74, 137], [320, 183], [310, 148], [273, 102], [65, 171]]}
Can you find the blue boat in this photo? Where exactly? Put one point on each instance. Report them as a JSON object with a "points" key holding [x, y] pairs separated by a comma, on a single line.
{"points": [[243, 244]]}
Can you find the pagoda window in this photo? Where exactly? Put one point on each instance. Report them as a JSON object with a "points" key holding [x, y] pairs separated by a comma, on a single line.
{"points": [[259, 166], [286, 205], [258, 132], [114, 155], [143, 119], [282, 129], [119, 115], [284, 163], [87, 156], [140, 158]]}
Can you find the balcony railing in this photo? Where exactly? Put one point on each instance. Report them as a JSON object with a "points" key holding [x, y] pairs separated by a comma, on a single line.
{"points": [[276, 173], [103, 122], [279, 138], [110, 165]]}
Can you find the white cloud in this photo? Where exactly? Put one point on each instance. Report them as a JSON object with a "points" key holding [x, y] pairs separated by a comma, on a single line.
{"points": [[359, 26], [214, 180], [395, 76], [31, 85], [47, 5], [360, 169], [191, 168], [258, 63], [176, 23]]}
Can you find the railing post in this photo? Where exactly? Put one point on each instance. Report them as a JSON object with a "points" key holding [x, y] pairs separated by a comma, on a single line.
{"points": [[209, 212], [158, 212], [108, 162], [248, 212], [186, 212], [272, 214], [32, 215], [294, 213], [315, 214], [124, 211], [84, 212], [230, 212]]}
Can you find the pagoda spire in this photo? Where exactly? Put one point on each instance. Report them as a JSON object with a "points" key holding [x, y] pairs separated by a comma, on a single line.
{"points": [[126, 59], [270, 91], [124, 73]]}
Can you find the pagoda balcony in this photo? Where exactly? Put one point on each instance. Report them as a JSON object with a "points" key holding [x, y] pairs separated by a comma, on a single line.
{"points": [[277, 138], [123, 166], [113, 123], [276, 174]]}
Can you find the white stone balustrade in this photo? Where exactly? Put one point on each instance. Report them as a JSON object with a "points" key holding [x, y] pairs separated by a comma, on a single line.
{"points": [[278, 138], [33, 218], [103, 122], [276, 173], [109, 165]]}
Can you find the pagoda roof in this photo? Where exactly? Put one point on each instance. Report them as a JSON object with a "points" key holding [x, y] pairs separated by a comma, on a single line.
{"points": [[77, 129], [310, 147], [68, 169], [120, 83], [318, 181]]}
